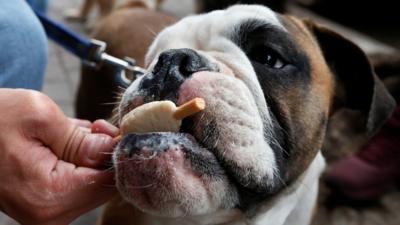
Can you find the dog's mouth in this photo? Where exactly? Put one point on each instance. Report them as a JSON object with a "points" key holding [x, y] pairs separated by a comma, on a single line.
{"points": [[195, 171], [196, 131]]}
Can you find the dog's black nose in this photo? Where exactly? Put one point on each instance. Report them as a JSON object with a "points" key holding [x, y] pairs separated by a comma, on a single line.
{"points": [[171, 70], [179, 63]]}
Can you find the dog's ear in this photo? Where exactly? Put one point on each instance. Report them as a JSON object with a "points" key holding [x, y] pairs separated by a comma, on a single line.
{"points": [[357, 85]]}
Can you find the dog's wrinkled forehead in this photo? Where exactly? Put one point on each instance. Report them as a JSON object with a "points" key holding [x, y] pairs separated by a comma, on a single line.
{"points": [[212, 31]]}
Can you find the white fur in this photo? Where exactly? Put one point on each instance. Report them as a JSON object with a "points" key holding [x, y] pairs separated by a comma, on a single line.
{"points": [[294, 206]]}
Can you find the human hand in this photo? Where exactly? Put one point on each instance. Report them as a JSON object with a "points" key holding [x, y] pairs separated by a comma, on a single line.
{"points": [[48, 162]]}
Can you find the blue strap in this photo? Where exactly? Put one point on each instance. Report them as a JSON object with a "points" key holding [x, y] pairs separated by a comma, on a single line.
{"points": [[74, 43], [89, 51], [71, 41]]}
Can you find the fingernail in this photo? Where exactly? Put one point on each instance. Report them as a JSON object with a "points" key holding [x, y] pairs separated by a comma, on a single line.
{"points": [[112, 128], [102, 126]]}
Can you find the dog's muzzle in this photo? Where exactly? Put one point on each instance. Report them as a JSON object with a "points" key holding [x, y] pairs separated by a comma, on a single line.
{"points": [[196, 165]]}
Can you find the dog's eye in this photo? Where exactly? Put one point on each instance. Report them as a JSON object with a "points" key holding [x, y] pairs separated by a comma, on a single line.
{"points": [[267, 56]]}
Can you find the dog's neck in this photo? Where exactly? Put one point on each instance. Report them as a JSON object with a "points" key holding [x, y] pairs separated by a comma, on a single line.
{"points": [[292, 206], [296, 203]]}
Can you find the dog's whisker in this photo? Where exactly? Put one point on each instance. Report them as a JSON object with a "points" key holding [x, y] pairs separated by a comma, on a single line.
{"points": [[122, 88], [109, 169], [140, 187], [152, 32], [114, 118], [277, 176], [106, 153], [136, 159], [110, 103]]}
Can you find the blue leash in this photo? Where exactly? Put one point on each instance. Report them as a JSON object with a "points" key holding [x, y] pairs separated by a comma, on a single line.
{"points": [[74, 43], [91, 52]]}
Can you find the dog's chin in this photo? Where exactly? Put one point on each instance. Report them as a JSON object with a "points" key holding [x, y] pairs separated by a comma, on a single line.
{"points": [[181, 174], [169, 174]]}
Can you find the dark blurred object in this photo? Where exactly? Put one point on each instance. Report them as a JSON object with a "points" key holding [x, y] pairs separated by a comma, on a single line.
{"points": [[344, 137], [387, 66], [345, 134], [374, 169], [209, 5], [369, 13]]}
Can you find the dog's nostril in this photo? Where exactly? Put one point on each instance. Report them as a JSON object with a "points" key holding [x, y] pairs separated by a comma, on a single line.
{"points": [[180, 62], [184, 68]]}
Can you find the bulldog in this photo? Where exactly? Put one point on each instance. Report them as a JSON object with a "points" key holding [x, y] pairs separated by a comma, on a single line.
{"points": [[271, 83]]}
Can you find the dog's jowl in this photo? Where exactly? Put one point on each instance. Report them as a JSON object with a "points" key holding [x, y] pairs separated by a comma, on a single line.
{"points": [[271, 82]]}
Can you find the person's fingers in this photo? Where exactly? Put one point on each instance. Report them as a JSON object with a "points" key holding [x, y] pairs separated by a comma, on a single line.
{"points": [[81, 123], [75, 144], [66, 139], [104, 127], [87, 149]]}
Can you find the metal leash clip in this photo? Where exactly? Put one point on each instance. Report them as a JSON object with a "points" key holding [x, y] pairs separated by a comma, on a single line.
{"points": [[126, 69]]}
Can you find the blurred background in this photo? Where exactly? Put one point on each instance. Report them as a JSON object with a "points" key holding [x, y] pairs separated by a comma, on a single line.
{"points": [[374, 25]]}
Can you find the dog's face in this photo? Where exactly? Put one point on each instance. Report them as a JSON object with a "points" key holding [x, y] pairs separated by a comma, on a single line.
{"points": [[269, 91]]}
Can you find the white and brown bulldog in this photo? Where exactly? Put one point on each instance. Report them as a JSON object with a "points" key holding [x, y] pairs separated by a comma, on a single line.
{"points": [[252, 156]]}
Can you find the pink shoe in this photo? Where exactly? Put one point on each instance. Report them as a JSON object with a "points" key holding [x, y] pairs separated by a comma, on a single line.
{"points": [[372, 171]]}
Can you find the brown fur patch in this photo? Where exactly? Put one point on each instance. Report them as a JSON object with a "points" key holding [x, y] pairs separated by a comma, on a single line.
{"points": [[316, 108], [323, 80]]}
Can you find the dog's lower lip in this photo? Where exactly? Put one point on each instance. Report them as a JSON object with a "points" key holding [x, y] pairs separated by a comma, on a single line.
{"points": [[191, 136], [186, 129]]}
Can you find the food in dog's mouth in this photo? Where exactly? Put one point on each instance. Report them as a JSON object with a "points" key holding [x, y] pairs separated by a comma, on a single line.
{"points": [[159, 116]]}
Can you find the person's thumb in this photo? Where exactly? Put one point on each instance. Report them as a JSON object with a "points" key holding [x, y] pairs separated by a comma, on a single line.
{"points": [[88, 149], [77, 145]]}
